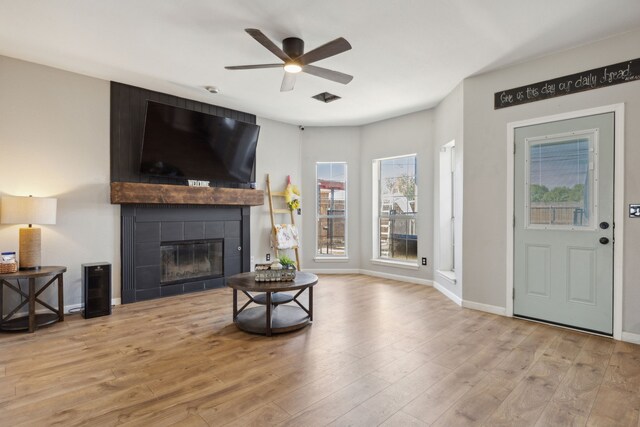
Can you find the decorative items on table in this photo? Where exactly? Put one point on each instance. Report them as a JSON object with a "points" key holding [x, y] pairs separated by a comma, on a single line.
{"points": [[28, 210], [274, 272], [8, 263]]}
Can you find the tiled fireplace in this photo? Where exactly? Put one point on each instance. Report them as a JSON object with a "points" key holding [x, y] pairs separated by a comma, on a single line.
{"points": [[176, 249]]}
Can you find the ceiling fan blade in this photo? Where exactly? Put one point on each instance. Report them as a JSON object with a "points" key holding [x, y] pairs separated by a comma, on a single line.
{"points": [[335, 76], [288, 81], [253, 67], [332, 48], [264, 41]]}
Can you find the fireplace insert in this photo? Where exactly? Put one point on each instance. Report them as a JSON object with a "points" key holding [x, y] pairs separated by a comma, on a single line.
{"points": [[191, 259]]}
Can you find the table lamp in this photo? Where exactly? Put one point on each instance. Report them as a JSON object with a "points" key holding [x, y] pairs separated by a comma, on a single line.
{"points": [[28, 210]]}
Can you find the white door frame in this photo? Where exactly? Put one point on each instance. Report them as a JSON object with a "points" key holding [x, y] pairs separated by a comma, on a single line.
{"points": [[618, 206]]}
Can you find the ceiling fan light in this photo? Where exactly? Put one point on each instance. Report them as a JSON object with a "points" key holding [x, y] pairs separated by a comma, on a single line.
{"points": [[292, 68]]}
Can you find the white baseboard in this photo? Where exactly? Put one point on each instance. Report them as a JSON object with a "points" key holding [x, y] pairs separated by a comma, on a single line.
{"points": [[68, 308], [399, 278], [447, 293], [333, 270], [631, 337], [493, 309]]}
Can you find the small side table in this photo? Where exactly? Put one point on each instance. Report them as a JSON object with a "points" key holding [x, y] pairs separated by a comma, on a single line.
{"points": [[33, 320]]}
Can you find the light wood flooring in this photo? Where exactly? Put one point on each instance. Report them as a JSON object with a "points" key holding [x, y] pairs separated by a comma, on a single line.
{"points": [[379, 353]]}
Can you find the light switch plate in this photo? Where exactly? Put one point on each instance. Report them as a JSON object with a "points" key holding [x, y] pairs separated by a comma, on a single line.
{"points": [[634, 211]]}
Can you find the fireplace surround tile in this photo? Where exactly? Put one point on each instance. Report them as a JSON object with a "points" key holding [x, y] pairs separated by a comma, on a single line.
{"points": [[214, 283], [147, 253], [169, 290], [146, 227], [231, 246], [232, 229], [148, 294], [214, 230], [171, 231], [232, 266], [193, 287], [193, 230], [148, 277], [147, 232]]}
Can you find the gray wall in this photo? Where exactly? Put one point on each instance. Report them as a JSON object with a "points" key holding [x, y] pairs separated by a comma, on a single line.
{"points": [[485, 161], [412, 133], [54, 134], [331, 144], [449, 127], [278, 154]]}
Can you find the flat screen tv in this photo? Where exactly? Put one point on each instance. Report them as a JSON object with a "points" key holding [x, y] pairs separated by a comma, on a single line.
{"points": [[184, 144]]}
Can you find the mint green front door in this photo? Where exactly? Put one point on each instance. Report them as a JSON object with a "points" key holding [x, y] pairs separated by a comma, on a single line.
{"points": [[563, 225]]}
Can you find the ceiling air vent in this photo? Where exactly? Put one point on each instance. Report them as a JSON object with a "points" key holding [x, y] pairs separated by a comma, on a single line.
{"points": [[326, 97]]}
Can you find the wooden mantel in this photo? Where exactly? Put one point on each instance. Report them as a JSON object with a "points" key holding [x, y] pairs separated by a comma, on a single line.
{"points": [[135, 192]]}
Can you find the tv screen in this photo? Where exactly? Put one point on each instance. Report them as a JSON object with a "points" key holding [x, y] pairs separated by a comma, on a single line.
{"points": [[187, 144]]}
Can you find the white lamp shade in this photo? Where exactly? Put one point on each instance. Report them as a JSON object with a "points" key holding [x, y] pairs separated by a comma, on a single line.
{"points": [[28, 210]]}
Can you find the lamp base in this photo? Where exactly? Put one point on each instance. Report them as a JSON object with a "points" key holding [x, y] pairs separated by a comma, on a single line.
{"points": [[29, 252]]}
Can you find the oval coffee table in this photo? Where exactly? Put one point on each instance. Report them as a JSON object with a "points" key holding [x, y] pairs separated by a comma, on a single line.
{"points": [[272, 316]]}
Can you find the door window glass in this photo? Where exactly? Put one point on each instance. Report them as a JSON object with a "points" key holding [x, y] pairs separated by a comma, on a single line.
{"points": [[559, 182]]}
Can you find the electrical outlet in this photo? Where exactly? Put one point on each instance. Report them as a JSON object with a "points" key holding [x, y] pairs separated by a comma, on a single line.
{"points": [[424, 261], [299, 211], [268, 257]]}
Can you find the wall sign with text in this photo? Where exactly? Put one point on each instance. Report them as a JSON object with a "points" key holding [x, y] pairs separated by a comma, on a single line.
{"points": [[610, 75]]}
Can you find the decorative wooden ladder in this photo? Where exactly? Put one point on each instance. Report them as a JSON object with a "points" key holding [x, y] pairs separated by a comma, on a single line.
{"points": [[273, 211]]}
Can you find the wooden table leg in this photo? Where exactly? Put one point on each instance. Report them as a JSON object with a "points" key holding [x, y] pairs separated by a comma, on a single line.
{"points": [[268, 315], [311, 303], [32, 304], [235, 304], [60, 298], [1, 300]]}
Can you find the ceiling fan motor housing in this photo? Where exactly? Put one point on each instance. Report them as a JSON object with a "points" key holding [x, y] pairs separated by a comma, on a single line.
{"points": [[293, 47], [296, 60]]}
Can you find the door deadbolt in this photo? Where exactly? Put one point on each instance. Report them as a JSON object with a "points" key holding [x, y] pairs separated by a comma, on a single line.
{"points": [[604, 225], [604, 240]]}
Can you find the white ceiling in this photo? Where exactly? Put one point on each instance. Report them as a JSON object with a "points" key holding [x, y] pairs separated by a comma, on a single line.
{"points": [[407, 54]]}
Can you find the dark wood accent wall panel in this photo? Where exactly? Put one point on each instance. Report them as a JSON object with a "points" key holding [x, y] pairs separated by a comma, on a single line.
{"points": [[128, 107]]}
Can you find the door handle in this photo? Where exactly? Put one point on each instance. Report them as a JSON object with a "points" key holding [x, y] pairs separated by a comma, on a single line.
{"points": [[604, 240]]}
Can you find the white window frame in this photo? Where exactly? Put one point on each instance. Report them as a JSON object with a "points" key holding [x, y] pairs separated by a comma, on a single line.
{"points": [[331, 257], [375, 210], [447, 221]]}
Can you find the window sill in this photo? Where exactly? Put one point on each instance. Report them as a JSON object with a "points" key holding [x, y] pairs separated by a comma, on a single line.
{"points": [[398, 264], [331, 259]]}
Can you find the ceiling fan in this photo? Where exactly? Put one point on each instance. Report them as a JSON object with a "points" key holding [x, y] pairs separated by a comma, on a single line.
{"points": [[295, 60]]}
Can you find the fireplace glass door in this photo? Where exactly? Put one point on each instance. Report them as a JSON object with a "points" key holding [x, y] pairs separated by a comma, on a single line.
{"points": [[189, 260]]}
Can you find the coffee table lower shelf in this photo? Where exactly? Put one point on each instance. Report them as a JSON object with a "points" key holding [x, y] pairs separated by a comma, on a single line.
{"points": [[284, 318]]}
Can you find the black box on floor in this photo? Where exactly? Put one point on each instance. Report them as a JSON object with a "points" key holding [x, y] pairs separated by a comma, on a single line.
{"points": [[96, 289]]}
